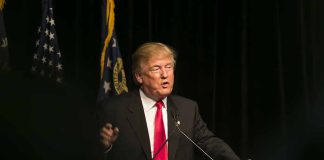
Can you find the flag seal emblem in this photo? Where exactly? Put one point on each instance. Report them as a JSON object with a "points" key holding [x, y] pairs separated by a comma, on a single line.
{"points": [[119, 77]]}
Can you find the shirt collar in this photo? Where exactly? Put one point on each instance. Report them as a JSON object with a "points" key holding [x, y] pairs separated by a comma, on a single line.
{"points": [[149, 103]]}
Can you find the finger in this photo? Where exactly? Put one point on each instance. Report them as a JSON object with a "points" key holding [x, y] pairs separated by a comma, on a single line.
{"points": [[107, 130], [104, 135], [108, 126], [115, 135], [116, 131]]}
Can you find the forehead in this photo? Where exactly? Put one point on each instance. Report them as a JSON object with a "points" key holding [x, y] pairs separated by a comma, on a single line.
{"points": [[159, 59]]}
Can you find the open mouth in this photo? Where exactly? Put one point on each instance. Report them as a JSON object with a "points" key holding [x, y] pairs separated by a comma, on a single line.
{"points": [[165, 84]]}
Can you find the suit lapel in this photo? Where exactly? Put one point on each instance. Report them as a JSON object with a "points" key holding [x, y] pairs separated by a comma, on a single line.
{"points": [[172, 130], [137, 120]]}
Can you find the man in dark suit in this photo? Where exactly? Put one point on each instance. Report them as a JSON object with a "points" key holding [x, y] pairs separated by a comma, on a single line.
{"points": [[147, 123]]}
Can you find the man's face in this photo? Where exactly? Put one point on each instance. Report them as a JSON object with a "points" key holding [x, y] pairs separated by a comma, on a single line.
{"points": [[157, 77]]}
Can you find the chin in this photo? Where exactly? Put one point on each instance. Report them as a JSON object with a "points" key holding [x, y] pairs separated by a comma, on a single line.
{"points": [[166, 93]]}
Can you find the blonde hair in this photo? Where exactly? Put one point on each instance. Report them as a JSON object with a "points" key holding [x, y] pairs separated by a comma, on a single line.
{"points": [[149, 50]]}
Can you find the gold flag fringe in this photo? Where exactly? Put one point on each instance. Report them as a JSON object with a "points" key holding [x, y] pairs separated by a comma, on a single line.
{"points": [[110, 21], [2, 2]]}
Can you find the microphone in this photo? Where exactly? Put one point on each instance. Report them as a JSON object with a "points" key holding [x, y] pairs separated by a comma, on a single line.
{"points": [[177, 124]]}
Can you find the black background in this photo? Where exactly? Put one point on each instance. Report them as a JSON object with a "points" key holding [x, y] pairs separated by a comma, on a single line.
{"points": [[254, 67]]}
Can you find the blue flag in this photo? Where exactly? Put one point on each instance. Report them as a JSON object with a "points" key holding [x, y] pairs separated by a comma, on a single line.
{"points": [[4, 53], [47, 57], [113, 79]]}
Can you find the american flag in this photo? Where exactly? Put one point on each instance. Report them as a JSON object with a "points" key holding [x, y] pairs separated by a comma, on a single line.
{"points": [[4, 53], [47, 57], [113, 79]]}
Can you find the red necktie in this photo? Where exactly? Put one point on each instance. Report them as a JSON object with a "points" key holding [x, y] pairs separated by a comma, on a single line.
{"points": [[159, 134]]}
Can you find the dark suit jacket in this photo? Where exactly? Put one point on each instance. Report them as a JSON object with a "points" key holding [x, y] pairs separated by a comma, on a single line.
{"points": [[126, 112]]}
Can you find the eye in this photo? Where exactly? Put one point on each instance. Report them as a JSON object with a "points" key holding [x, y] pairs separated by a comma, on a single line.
{"points": [[169, 67], [155, 69]]}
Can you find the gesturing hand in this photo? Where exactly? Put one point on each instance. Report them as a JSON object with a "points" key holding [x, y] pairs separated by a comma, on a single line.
{"points": [[108, 135]]}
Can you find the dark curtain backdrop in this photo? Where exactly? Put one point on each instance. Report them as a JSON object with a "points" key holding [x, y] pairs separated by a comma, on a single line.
{"points": [[255, 68]]}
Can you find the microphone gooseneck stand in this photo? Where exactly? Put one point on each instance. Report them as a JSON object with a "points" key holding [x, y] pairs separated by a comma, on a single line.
{"points": [[177, 124]]}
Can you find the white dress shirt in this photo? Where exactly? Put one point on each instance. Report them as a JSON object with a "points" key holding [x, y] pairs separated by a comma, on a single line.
{"points": [[150, 111]]}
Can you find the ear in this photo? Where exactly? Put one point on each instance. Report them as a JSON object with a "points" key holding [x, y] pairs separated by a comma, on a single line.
{"points": [[138, 78]]}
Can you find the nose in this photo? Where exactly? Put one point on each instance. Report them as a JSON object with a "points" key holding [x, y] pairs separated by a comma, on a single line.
{"points": [[164, 73]]}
